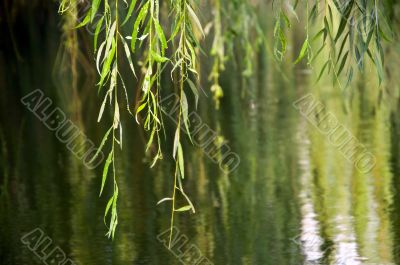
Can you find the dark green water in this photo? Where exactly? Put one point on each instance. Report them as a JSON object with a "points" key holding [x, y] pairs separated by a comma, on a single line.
{"points": [[294, 198]]}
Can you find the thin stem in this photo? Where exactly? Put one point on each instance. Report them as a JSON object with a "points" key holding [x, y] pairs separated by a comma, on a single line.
{"points": [[173, 206], [182, 78]]}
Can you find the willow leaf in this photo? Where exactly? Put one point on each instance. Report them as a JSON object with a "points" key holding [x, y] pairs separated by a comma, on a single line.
{"points": [[130, 11], [97, 32], [108, 207], [161, 36], [103, 141], [195, 19], [342, 46], [184, 208], [185, 114], [116, 121], [128, 55], [176, 142], [105, 171], [322, 70], [110, 37], [344, 20], [194, 90], [98, 57], [181, 162], [150, 141], [85, 20], [176, 28], [343, 63], [158, 58], [142, 14], [302, 52], [102, 108], [141, 107], [286, 19], [106, 66], [319, 34], [163, 200], [93, 10], [350, 77]]}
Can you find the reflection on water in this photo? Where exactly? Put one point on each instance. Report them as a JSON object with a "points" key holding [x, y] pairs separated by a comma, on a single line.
{"points": [[309, 239], [346, 214], [294, 199]]}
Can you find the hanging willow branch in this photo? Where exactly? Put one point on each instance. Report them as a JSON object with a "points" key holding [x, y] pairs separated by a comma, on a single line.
{"points": [[146, 32], [357, 35], [184, 61], [110, 79], [147, 22]]}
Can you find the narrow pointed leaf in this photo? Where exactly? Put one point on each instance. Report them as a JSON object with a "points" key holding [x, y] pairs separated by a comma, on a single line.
{"points": [[181, 162], [184, 208], [105, 171]]}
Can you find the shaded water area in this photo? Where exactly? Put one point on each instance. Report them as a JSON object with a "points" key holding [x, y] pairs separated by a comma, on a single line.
{"points": [[294, 198]]}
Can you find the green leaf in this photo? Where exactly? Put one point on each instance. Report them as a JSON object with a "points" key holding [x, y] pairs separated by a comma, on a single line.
{"points": [[110, 36], [176, 142], [161, 36], [359, 58], [85, 20], [128, 55], [105, 171], [93, 10], [379, 68], [330, 14], [192, 55], [282, 38], [185, 114], [103, 141], [155, 104], [327, 29], [181, 161], [163, 200], [109, 203], [106, 66], [98, 57], [344, 20], [322, 70], [114, 216], [370, 56], [383, 35], [130, 11], [158, 58], [142, 14], [102, 108], [350, 77], [184, 208], [194, 90], [176, 28], [343, 63], [97, 32], [313, 13], [150, 141], [319, 34], [195, 19], [141, 107], [302, 52], [342, 46], [286, 19]]}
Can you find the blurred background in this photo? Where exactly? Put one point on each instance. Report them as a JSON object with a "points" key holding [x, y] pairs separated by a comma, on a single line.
{"points": [[294, 198]]}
